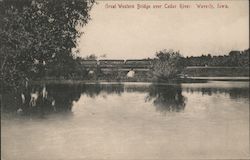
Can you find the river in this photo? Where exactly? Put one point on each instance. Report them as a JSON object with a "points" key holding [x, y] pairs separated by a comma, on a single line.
{"points": [[127, 121]]}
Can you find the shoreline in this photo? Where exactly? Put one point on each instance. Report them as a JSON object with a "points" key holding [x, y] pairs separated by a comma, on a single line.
{"points": [[182, 80]]}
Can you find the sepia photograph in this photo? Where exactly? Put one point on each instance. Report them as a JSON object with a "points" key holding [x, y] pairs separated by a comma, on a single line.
{"points": [[124, 79]]}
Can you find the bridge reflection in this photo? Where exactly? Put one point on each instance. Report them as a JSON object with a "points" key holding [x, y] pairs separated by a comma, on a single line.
{"points": [[42, 100]]}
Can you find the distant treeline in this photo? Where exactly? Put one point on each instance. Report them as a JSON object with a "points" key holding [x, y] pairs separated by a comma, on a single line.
{"points": [[233, 59]]}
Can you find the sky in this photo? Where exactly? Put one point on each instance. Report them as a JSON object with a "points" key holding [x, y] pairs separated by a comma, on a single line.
{"points": [[131, 33]]}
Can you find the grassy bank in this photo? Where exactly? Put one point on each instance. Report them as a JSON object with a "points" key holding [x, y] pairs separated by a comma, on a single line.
{"points": [[217, 71], [194, 74]]}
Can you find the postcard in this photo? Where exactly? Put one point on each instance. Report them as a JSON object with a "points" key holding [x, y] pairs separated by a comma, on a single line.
{"points": [[124, 79]]}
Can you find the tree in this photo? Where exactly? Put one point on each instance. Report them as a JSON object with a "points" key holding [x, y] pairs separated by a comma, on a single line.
{"points": [[233, 59], [36, 35], [91, 57], [167, 65]]}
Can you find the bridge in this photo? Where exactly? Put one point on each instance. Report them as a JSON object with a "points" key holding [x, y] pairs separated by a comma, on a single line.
{"points": [[118, 65]]}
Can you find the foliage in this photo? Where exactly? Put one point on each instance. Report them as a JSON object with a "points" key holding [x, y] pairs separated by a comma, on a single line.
{"points": [[233, 59], [38, 35], [167, 65], [94, 57], [91, 57]]}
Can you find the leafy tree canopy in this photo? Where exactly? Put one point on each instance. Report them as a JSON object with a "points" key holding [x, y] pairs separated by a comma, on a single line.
{"points": [[167, 64], [38, 34]]}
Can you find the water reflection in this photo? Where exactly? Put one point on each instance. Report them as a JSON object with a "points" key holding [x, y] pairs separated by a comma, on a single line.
{"points": [[167, 98], [234, 93], [93, 90], [113, 121], [42, 100]]}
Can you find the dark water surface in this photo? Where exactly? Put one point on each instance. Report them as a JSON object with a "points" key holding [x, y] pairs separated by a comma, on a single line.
{"points": [[127, 121]]}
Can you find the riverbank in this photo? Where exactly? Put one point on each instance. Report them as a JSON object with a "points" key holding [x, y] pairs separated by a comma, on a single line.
{"points": [[181, 80], [197, 71]]}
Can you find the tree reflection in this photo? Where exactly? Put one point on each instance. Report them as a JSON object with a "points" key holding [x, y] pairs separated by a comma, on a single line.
{"points": [[63, 96], [41, 100], [234, 93], [166, 98]]}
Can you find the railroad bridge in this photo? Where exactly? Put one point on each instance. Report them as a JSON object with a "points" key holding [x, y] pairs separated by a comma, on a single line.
{"points": [[119, 65], [113, 69]]}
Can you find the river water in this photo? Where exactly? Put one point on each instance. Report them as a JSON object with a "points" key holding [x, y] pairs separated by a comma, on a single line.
{"points": [[127, 121]]}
